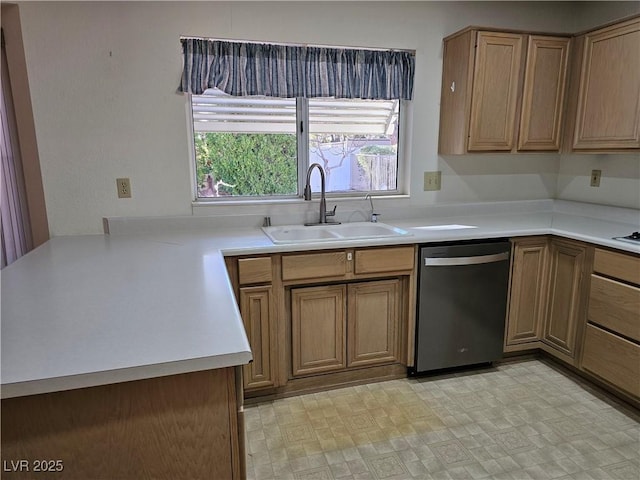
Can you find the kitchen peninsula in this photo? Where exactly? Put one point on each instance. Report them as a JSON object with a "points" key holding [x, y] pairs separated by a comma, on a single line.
{"points": [[121, 353]]}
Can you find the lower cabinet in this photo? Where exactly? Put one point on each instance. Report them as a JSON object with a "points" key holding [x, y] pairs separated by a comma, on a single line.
{"points": [[341, 326], [612, 358], [318, 329], [324, 318], [579, 303], [373, 321], [256, 309], [527, 304], [547, 296], [185, 426], [564, 306], [611, 349]]}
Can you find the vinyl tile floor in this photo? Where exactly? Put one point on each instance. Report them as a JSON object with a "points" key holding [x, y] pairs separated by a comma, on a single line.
{"points": [[519, 420]]}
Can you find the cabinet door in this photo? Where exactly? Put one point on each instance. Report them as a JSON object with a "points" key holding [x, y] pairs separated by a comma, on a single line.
{"points": [[608, 115], [255, 308], [457, 71], [528, 291], [373, 322], [495, 91], [318, 329], [565, 282], [543, 93]]}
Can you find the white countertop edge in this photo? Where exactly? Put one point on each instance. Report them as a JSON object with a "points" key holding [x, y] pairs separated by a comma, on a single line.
{"points": [[421, 240], [142, 372], [380, 242]]}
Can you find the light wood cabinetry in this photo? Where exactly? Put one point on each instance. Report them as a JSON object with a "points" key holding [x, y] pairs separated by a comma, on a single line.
{"points": [[580, 304], [615, 306], [318, 329], [380, 260], [543, 93], [612, 339], [374, 321], [253, 277], [315, 265], [528, 293], [607, 81], [178, 426], [564, 307], [497, 96], [323, 318], [617, 265], [363, 318], [254, 270], [547, 296], [341, 326], [496, 79], [256, 309]]}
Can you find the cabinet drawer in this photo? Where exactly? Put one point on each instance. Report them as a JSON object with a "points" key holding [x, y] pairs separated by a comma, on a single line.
{"points": [[617, 265], [314, 265], [612, 358], [384, 260], [615, 306], [254, 270]]}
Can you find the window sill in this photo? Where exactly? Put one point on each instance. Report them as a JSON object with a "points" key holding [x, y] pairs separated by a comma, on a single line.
{"points": [[289, 201]]}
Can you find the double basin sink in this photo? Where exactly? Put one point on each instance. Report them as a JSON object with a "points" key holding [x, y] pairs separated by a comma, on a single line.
{"points": [[332, 232]]}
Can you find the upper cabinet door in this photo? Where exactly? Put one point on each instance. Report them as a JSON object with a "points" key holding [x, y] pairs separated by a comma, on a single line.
{"points": [[543, 93], [495, 91], [608, 113]]}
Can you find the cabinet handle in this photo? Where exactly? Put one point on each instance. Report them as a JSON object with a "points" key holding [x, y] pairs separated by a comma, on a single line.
{"points": [[453, 86]]}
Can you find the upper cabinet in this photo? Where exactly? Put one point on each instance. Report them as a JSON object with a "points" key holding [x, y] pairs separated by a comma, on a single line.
{"points": [[496, 77], [607, 80], [519, 92], [502, 91], [543, 93]]}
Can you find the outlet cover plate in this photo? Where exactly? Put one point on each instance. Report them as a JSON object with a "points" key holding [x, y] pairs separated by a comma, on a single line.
{"points": [[124, 187], [595, 178]]}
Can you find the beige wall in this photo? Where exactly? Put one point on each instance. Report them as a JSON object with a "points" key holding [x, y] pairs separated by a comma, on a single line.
{"points": [[103, 78]]}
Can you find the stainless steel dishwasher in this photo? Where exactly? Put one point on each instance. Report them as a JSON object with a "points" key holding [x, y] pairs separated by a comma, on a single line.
{"points": [[462, 304]]}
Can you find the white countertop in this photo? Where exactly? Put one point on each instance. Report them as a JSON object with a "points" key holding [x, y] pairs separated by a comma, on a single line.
{"points": [[89, 310]]}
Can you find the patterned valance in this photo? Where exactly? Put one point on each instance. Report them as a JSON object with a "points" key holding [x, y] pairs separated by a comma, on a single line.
{"points": [[274, 70]]}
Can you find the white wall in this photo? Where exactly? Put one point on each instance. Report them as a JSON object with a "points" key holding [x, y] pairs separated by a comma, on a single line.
{"points": [[103, 78]]}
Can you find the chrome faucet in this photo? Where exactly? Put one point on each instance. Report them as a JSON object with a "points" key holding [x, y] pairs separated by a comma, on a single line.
{"points": [[323, 202], [374, 216]]}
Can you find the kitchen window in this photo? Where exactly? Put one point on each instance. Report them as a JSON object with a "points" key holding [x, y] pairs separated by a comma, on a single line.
{"points": [[262, 146], [263, 113]]}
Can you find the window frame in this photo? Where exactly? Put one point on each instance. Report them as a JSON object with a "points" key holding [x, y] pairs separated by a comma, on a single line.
{"points": [[302, 142]]}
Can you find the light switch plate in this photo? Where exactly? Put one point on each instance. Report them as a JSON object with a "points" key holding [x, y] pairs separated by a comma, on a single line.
{"points": [[432, 181], [595, 178]]}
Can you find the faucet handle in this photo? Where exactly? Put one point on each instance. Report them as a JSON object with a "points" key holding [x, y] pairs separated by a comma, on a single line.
{"points": [[374, 217], [332, 213]]}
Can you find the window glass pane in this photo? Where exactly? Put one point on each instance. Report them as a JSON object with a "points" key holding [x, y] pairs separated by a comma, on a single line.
{"points": [[245, 146], [356, 142]]}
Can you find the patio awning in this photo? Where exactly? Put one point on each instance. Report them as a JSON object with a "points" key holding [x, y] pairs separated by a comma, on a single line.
{"points": [[216, 111]]}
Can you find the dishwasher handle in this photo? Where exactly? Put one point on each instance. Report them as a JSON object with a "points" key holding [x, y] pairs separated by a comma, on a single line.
{"points": [[455, 261]]}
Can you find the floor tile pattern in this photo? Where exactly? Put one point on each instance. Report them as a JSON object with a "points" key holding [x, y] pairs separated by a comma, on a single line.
{"points": [[518, 420]]}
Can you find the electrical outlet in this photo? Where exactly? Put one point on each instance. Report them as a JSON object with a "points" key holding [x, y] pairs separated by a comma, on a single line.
{"points": [[124, 187], [595, 178], [432, 181]]}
